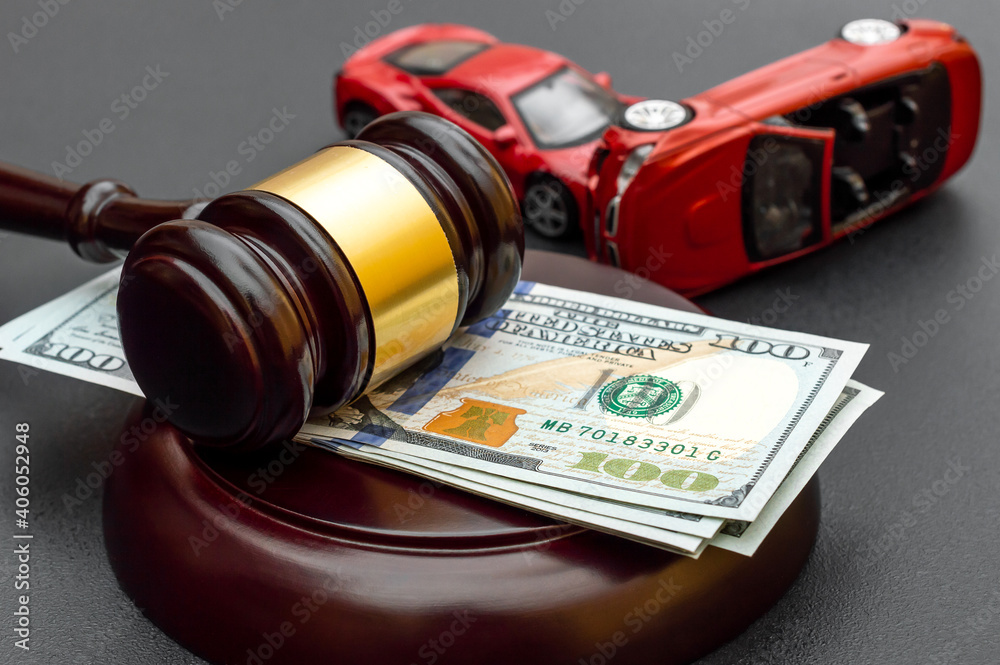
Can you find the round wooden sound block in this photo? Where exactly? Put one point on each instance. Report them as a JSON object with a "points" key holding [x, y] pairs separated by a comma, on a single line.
{"points": [[295, 555]]}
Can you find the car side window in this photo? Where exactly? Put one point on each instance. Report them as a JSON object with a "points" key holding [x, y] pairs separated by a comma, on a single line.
{"points": [[472, 105]]}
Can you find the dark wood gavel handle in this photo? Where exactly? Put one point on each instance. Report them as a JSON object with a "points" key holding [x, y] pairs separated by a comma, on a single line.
{"points": [[100, 220]]}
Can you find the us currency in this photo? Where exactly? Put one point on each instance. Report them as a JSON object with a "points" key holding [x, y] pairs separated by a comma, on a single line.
{"points": [[680, 543], [736, 536], [594, 504], [645, 405], [15, 327], [75, 335], [744, 537]]}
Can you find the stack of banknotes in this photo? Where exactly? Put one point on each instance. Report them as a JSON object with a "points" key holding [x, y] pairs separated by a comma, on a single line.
{"points": [[673, 429]]}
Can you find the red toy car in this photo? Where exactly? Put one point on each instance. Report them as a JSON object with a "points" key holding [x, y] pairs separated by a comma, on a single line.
{"points": [[765, 168], [538, 113], [788, 158]]}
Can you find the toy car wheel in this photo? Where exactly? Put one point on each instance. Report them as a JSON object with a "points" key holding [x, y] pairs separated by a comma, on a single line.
{"points": [[655, 115], [356, 116], [870, 32], [549, 208]]}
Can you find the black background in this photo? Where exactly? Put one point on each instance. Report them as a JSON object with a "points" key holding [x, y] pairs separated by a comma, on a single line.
{"points": [[928, 593]]}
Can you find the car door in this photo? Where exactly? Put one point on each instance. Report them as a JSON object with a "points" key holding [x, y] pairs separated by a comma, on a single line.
{"points": [[476, 113], [786, 191]]}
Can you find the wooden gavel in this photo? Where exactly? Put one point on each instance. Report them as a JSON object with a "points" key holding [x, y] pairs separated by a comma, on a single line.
{"points": [[295, 296]]}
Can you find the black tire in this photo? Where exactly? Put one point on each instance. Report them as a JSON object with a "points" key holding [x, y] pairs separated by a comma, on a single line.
{"points": [[549, 208], [356, 116]]}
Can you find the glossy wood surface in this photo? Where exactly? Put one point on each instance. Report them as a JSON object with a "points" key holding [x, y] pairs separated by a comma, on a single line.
{"points": [[34, 203], [100, 220], [252, 316], [293, 555]]}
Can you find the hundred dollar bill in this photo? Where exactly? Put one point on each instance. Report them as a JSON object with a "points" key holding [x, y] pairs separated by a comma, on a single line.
{"points": [[13, 329], [595, 503], [737, 536], [75, 335], [620, 519], [679, 543], [655, 407], [744, 537]]}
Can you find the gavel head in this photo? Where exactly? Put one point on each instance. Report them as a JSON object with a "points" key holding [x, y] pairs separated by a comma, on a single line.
{"points": [[297, 295]]}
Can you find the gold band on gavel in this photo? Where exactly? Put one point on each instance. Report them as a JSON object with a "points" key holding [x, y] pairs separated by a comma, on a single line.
{"points": [[393, 241]]}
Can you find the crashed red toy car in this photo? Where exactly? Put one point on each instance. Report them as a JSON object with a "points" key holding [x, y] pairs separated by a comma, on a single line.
{"points": [[760, 170], [538, 113], [788, 158]]}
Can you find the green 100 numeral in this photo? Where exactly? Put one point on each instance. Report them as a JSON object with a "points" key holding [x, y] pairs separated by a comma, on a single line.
{"points": [[642, 472]]}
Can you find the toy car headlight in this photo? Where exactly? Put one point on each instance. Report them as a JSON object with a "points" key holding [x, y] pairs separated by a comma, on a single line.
{"points": [[632, 164]]}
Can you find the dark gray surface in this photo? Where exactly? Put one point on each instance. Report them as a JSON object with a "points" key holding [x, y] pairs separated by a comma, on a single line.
{"points": [[928, 593]]}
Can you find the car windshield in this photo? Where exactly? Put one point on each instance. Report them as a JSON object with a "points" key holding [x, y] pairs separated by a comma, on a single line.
{"points": [[566, 109]]}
